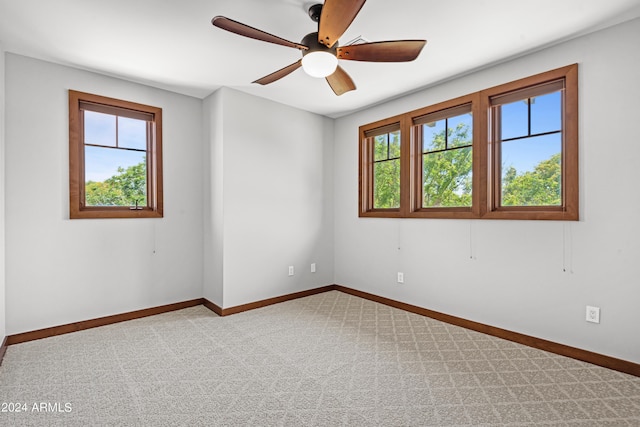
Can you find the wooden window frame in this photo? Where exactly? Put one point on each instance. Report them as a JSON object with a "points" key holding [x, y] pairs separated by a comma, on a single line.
{"points": [[367, 134], [77, 208], [485, 169], [440, 111], [569, 208]]}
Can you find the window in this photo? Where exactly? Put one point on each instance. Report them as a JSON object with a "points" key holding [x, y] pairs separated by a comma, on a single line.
{"points": [[381, 152], [508, 152], [533, 147], [386, 170], [443, 140], [115, 158]]}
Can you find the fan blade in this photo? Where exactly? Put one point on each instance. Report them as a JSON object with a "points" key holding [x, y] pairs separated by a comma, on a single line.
{"points": [[279, 74], [391, 51], [340, 81], [336, 17], [253, 33]]}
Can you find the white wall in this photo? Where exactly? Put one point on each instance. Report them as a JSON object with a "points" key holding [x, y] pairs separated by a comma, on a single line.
{"points": [[511, 274], [213, 198], [255, 198], [3, 329], [274, 204], [60, 271]]}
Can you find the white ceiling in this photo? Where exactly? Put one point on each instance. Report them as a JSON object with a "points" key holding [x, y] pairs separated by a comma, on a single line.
{"points": [[171, 44]]}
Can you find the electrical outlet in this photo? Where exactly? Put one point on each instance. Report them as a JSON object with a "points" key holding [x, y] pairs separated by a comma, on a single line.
{"points": [[593, 314], [313, 267], [400, 277], [291, 270]]}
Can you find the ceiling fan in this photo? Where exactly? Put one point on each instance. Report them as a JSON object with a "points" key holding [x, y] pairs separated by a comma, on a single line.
{"points": [[321, 51]]}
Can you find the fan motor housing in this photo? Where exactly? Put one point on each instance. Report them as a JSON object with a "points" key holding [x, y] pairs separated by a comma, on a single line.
{"points": [[314, 12], [311, 40]]}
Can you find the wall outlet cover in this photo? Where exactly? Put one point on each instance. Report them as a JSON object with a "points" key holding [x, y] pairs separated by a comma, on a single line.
{"points": [[593, 314]]}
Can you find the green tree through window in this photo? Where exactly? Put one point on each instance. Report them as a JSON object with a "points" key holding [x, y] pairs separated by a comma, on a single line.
{"points": [[386, 170], [505, 152], [447, 168], [127, 188], [540, 187]]}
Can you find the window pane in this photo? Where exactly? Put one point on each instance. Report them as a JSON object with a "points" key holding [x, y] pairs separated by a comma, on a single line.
{"points": [[380, 147], [115, 177], [386, 184], [99, 128], [546, 113], [132, 133], [447, 178], [515, 119], [532, 171], [394, 145], [460, 129], [433, 136]]}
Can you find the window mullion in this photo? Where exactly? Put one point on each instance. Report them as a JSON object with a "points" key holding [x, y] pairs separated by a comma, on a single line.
{"points": [[446, 134], [529, 116], [480, 113], [406, 184], [496, 164], [388, 140], [150, 168], [415, 163]]}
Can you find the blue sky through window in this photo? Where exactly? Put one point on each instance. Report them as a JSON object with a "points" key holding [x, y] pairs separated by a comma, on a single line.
{"points": [[546, 116], [102, 163], [100, 129], [524, 154]]}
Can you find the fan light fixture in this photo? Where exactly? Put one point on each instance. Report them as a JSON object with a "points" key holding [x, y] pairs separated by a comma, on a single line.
{"points": [[318, 60], [320, 50], [319, 64]]}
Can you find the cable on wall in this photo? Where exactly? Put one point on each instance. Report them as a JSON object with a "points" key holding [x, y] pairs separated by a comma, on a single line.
{"points": [[567, 248], [472, 242]]}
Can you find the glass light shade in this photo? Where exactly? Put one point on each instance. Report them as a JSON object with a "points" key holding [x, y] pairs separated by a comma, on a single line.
{"points": [[319, 64]]}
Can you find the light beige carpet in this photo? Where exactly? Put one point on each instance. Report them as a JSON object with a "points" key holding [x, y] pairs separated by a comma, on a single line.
{"points": [[325, 360]]}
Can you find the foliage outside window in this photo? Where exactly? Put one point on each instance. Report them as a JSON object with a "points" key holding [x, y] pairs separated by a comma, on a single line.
{"points": [[381, 149], [445, 139], [526, 127], [386, 170], [115, 158], [509, 152]]}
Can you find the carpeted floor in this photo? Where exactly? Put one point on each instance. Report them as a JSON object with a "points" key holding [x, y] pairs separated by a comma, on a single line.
{"points": [[329, 359]]}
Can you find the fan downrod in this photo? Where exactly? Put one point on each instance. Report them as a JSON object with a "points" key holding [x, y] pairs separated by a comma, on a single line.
{"points": [[314, 12]]}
